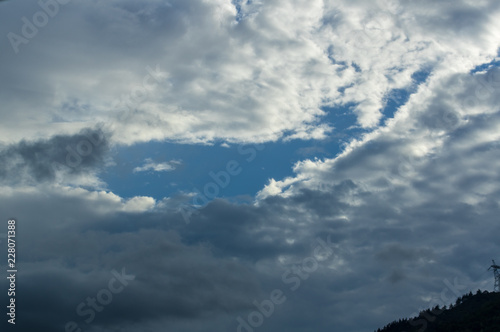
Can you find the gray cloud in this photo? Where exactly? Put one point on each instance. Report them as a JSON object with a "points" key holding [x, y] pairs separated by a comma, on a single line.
{"points": [[193, 71], [207, 273], [407, 208], [44, 160], [172, 281]]}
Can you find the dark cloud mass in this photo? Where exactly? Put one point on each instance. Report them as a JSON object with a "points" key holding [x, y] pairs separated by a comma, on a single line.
{"points": [[231, 255], [44, 160]]}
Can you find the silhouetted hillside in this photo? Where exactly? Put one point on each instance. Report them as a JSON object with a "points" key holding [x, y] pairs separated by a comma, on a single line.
{"points": [[470, 313]]}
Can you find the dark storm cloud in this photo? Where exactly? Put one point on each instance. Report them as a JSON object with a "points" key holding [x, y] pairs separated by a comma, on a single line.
{"points": [[229, 256], [43, 160], [74, 261], [398, 254], [209, 273]]}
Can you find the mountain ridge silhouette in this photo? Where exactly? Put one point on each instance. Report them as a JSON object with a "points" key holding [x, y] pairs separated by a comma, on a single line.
{"points": [[478, 312]]}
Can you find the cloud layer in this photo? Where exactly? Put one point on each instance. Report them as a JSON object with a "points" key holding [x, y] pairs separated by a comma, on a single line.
{"points": [[69, 158], [406, 215], [197, 71]]}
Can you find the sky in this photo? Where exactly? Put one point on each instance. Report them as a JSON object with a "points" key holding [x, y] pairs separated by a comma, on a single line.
{"points": [[218, 165]]}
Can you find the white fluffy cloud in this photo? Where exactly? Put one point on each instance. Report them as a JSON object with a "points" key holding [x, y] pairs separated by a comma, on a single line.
{"points": [[197, 71], [442, 143], [150, 165]]}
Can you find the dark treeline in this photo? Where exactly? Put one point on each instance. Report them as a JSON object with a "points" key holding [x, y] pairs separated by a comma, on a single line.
{"points": [[470, 313]]}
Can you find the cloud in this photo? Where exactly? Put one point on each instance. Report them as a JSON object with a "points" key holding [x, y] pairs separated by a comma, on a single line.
{"points": [[150, 165], [209, 272], [88, 253], [449, 117], [71, 157], [406, 207], [259, 71]]}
